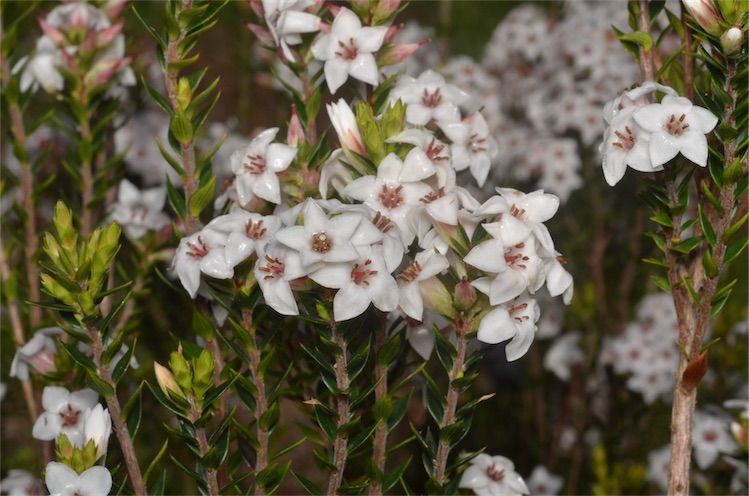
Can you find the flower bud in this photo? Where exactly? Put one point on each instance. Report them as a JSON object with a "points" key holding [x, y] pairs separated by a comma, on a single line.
{"points": [[295, 135], [706, 15], [394, 54], [436, 297], [740, 435], [731, 10], [732, 40], [263, 35], [53, 33], [384, 10], [98, 428], [184, 93], [344, 122], [166, 381], [464, 295]]}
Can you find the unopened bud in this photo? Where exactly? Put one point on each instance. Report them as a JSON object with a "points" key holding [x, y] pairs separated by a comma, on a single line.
{"points": [[464, 295], [740, 435], [166, 381], [181, 370], [436, 297], [731, 10], [263, 35], [384, 10], [394, 54], [732, 41], [706, 15], [184, 93], [295, 135], [52, 33]]}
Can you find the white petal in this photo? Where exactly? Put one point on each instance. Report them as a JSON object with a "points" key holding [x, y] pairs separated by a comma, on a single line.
{"points": [[416, 166], [96, 481], [386, 298], [362, 189], [214, 265], [418, 114], [614, 167], [332, 275], [279, 156], [651, 117], [507, 286], [54, 398], [421, 340], [47, 426], [369, 39], [661, 148], [480, 168], [267, 187], [520, 344], [496, 326], [509, 229], [60, 478], [346, 23], [336, 73], [410, 300], [127, 193], [189, 276], [488, 256], [279, 297], [705, 120], [350, 301], [238, 248], [694, 147], [84, 398]]}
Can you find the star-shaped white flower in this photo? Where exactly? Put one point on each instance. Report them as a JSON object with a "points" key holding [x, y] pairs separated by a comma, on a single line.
{"points": [[472, 146], [247, 233], [625, 144], [544, 483], [426, 265], [256, 167], [429, 156], [563, 354], [492, 476], [287, 20], [429, 97], [203, 252], [710, 437], [38, 352], [62, 480], [390, 194], [676, 126], [322, 239], [273, 272], [359, 282], [139, 211], [347, 50], [65, 413], [515, 320]]}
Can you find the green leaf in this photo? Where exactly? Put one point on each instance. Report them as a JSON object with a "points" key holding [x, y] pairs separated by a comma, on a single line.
{"points": [[154, 461], [176, 200], [382, 409], [663, 219], [392, 476], [269, 419], [687, 245], [157, 97], [735, 227], [181, 128], [661, 283], [273, 476], [639, 38], [655, 261], [307, 484], [734, 250], [122, 365], [707, 228], [325, 422]]}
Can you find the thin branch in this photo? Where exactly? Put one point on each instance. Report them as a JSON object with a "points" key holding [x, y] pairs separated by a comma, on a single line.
{"points": [[261, 400], [340, 445], [647, 64], [379, 445]]}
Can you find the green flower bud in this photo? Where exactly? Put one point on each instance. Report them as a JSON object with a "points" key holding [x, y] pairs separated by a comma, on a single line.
{"points": [[436, 297], [166, 381], [181, 370]]}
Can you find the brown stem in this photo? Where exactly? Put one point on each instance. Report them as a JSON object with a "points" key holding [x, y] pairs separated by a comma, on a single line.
{"points": [[340, 444], [115, 410], [448, 417], [204, 447], [687, 59], [18, 130], [379, 444], [261, 400], [647, 64]]}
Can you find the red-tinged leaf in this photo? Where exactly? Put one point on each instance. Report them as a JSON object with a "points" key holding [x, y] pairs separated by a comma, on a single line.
{"points": [[694, 372]]}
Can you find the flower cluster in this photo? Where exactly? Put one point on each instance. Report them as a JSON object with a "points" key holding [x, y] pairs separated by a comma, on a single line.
{"points": [[644, 135]]}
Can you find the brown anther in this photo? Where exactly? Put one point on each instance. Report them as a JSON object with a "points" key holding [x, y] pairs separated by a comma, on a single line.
{"points": [[391, 196], [69, 417], [197, 250], [431, 100], [255, 230], [710, 436], [410, 273], [495, 473], [676, 127], [255, 164], [349, 51], [321, 242], [517, 212], [626, 141], [434, 195], [382, 223], [360, 273], [434, 151], [274, 268], [476, 144]]}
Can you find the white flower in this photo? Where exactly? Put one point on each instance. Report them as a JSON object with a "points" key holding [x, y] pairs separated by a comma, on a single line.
{"points": [[39, 353], [515, 320], [421, 339], [563, 354], [97, 428], [347, 50], [426, 265], [472, 146], [287, 20], [136, 138], [203, 252], [139, 211], [247, 233], [493, 476], [256, 167], [273, 272], [625, 144], [64, 413], [676, 125], [710, 437], [359, 282], [544, 483], [429, 98], [62, 480], [658, 462], [344, 123], [429, 156], [652, 380], [322, 239], [390, 194], [20, 483], [41, 69]]}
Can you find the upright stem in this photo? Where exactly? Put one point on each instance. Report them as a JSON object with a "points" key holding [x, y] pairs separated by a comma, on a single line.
{"points": [[261, 400], [171, 79], [31, 240], [646, 56], [381, 390], [204, 447], [340, 446], [120, 428], [448, 417]]}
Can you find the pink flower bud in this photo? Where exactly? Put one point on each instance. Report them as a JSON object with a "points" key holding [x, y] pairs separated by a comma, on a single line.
{"points": [[464, 295], [263, 35], [295, 134], [385, 8], [103, 71], [106, 36], [334, 9], [113, 8], [391, 33], [706, 15], [52, 33], [79, 17], [257, 8], [394, 54]]}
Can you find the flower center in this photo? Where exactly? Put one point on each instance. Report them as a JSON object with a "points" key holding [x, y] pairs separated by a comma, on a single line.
{"points": [[434, 151], [519, 308], [495, 473], [198, 249], [138, 211], [410, 273], [273, 268], [391, 196], [69, 417], [321, 242], [255, 230], [710, 436], [347, 51], [626, 141], [515, 258], [676, 126], [432, 99], [255, 164], [476, 144], [517, 212], [434, 195], [382, 223], [361, 273]]}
